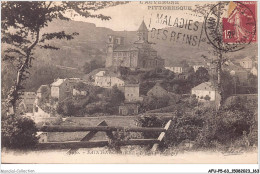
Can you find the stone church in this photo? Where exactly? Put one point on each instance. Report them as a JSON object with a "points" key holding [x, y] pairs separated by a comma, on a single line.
{"points": [[139, 55]]}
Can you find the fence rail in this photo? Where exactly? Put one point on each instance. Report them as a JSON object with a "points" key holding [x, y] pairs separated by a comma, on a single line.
{"points": [[101, 127]]}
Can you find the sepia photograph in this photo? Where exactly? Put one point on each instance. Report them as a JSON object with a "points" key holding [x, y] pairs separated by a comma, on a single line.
{"points": [[129, 82]]}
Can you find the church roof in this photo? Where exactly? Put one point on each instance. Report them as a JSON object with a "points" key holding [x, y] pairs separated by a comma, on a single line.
{"points": [[125, 48], [143, 27]]}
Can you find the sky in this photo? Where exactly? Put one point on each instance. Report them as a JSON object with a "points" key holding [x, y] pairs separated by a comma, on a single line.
{"points": [[129, 16]]}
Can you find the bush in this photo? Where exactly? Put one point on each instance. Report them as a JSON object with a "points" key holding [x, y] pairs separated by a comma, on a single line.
{"points": [[18, 132], [226, 126], [66, 108], [153, 102], [207, 98], [118, 136], [183, 128], [149, 121]]}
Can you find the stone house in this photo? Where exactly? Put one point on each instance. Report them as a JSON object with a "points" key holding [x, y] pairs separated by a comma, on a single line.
{"points": [[108, 79], [175, 69], [128, 109], [246, 63], [63, 88], [254, 71], [76, 92], [157, 91], [205, 89], [131, 92], [60, 89]]}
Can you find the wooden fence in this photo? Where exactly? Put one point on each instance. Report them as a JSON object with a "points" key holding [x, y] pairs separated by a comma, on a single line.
{"points": [[101, 127]]}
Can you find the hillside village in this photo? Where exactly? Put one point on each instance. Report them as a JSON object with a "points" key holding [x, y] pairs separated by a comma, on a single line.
{"points": [[136, 80]]}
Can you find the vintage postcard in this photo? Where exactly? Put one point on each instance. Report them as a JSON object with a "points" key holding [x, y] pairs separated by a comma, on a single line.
{"points": [[129, 82]]}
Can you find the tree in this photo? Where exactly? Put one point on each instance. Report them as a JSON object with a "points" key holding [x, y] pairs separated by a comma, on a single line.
{"points": [[92, 65], [124, 71], [207, 98], [18, 132], [228, 84], [153, 102], [22, 24], [215, 26], [117, 96], [200, 76], [252, 80], [66, 108], [149, 121]]}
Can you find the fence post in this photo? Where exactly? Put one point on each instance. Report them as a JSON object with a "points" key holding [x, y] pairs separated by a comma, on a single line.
{"points": [[161, 136], [87, 137]]}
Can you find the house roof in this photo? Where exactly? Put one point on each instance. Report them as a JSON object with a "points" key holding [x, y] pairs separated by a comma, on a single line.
{"points": [[100, 73], [131, 85], [206, 86], [129, 105], [112, 74], [58, 82], [158, 85], [246, 59]]}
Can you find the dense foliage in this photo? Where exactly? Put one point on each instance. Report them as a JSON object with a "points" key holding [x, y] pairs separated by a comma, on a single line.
{"points": [[18, 132], [97, 100], [149, 121], [234, 124], [92, 65]]}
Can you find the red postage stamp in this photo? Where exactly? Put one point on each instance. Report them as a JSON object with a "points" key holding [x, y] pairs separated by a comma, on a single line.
{"points": [[240, 24]]}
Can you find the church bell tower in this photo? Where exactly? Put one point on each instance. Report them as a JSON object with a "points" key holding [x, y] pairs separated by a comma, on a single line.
{"points": [[112, 43], [142, 33]]}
